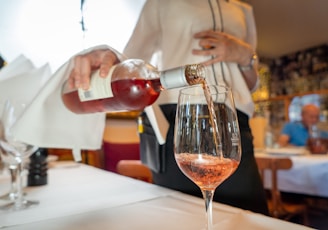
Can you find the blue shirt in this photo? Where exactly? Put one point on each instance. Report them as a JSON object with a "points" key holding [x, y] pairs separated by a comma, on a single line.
{"points": [[297, 133]]}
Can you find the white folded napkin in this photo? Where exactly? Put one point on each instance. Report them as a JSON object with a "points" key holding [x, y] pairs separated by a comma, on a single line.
{"points": [[23, 86], [48, 123], [19, 81], [18, 66]]}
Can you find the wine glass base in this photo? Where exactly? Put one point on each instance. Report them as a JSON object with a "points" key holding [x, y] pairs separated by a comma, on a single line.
{"points": [[16, 207], [9, 196]]}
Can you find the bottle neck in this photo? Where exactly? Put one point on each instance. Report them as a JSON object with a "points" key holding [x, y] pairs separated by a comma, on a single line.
{"points": [[182, 76], [173, 78]]}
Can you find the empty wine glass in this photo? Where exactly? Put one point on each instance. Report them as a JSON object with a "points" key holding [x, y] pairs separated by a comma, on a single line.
{"points": [[207, 139], [14, 152]]}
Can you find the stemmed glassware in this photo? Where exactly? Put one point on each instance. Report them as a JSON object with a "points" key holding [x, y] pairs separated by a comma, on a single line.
{"points": [[13, 153], [207, 139], [12, 171], [10, 195]]}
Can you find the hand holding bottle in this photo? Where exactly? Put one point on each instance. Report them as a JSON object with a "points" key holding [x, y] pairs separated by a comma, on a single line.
{"points": [[84, 64]]}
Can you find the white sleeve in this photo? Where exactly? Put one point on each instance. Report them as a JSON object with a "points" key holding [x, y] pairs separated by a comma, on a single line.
{"points": [[251, 36], [144, 40]]}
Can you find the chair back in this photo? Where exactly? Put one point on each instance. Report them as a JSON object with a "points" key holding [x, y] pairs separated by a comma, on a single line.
{"points": [[273, 164], [134, 169]]}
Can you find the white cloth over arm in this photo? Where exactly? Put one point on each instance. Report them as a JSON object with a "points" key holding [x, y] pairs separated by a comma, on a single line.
{"points": [[48, 123]]}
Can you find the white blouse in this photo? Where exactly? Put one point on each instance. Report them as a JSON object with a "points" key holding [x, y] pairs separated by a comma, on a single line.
{"points": [[164, 33]]}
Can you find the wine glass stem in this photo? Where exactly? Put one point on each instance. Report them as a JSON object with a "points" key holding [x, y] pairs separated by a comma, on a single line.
{"points": [[208, 197], [16, 176], [13, 187]]}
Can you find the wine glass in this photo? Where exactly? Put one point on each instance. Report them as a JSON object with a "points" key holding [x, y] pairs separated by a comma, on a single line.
{"points": [[12, 191], [4, 166], [207, 145], [13, 153]]}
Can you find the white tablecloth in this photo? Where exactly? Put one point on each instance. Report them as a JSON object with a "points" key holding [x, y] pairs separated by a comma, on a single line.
{"points": [[308, 175], [84, 197]]}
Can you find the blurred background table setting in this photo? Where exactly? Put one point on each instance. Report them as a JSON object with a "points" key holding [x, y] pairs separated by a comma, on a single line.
{"points": [[308, 174]]}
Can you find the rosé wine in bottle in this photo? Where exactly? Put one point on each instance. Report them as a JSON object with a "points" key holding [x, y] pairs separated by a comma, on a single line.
{"points": [[130, 86]]}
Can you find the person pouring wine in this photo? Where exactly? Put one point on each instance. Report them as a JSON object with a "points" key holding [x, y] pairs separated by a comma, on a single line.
{"points": [[219, 34]]}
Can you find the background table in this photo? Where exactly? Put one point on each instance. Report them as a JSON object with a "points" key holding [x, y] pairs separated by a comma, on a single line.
{"points": [[83, 197], [308, 175]]}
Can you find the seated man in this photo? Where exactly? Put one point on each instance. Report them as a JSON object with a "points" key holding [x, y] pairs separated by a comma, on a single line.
{"points": [[297, 133]]}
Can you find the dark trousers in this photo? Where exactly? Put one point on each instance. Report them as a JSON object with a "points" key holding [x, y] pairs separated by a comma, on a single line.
{"points": [[243, 189]]}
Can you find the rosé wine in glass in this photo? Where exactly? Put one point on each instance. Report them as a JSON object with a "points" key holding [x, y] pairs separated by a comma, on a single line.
{"points": [[207, 145]]}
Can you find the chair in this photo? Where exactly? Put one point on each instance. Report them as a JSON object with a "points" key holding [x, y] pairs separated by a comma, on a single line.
{"points": [[134, 169], [114, 152], [277, 207], [120, 141]]}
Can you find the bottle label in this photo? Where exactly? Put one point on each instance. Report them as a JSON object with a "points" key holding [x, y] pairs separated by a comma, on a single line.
{"points": [[99, 87]]}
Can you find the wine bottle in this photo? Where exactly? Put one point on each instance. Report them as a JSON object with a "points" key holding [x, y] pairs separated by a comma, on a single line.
{"points": [[130, 86]]}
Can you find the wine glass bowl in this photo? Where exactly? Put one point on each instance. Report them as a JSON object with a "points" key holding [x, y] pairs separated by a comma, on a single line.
{"points": [[13, 153], [207, 145]]}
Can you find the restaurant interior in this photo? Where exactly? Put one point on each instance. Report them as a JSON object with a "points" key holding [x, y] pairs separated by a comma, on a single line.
{"points": [[293, 52]]}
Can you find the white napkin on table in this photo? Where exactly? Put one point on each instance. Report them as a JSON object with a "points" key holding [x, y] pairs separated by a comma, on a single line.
{"points": [[48, 123], [25, 85], [20, 80], [18, 66]]}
